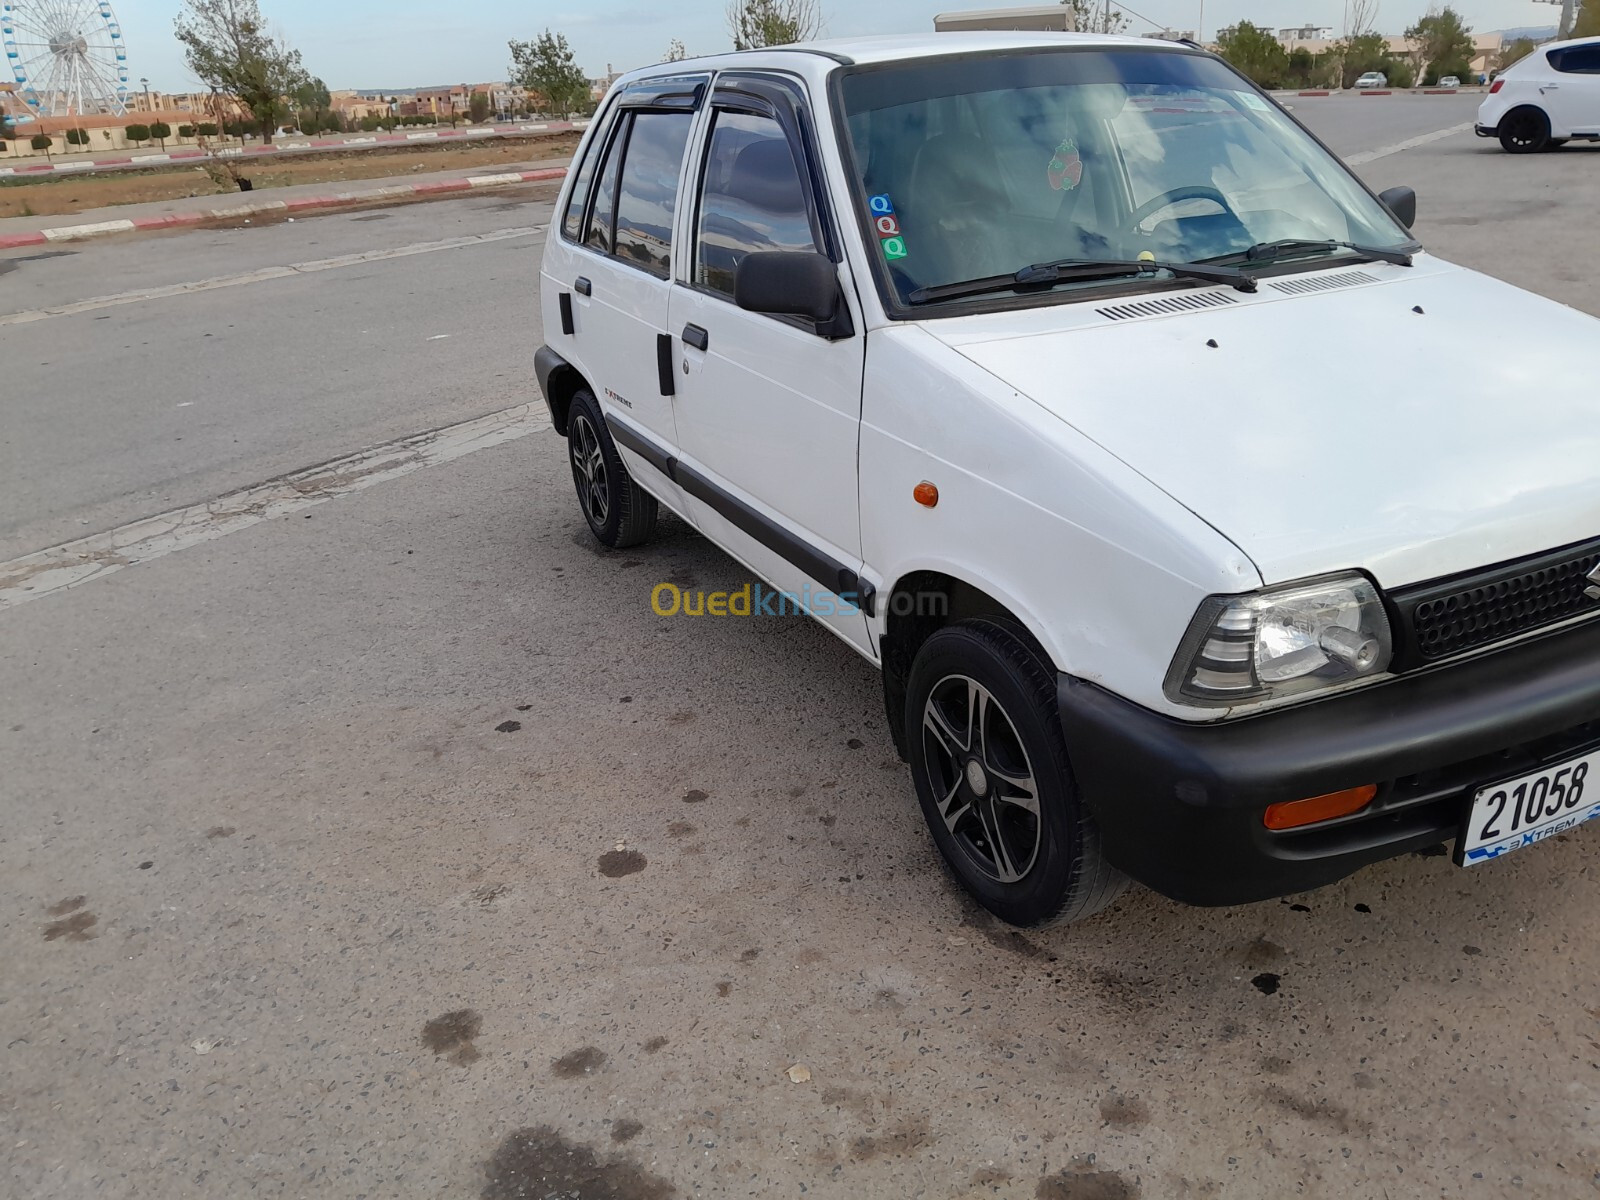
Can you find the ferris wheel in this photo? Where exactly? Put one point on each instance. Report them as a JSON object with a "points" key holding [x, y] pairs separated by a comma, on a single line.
{"points": [[66, 56]]}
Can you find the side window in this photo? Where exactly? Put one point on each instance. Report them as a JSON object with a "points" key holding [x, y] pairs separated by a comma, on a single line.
{"points": [[573, 220], [605, 197], [648, 190], [1578, 60], [752, 198]]}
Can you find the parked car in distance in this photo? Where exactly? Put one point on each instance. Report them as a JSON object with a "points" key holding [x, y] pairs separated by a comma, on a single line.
{"points": [[1450, 81], [1545, 99], [967, 345], [1372, 79]]}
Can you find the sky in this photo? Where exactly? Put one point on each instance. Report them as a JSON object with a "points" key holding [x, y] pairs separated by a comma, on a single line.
{"points": [[412, 43]]}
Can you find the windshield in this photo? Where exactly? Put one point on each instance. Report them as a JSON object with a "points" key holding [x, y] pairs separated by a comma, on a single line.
{"points": [[981, 166]]}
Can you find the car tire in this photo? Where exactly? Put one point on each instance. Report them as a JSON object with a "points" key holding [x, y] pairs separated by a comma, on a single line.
{"points": [[1029, 862], [1524, 131], [620, 513]]}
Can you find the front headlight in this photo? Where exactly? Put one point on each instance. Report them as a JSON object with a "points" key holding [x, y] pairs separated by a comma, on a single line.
{"points": [[1281, 642]]}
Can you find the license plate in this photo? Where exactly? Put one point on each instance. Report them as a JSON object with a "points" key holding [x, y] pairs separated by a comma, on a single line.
{"points": [[1519, 812]]}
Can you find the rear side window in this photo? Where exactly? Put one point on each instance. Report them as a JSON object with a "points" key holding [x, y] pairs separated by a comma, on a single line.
{"points": [[648, 189], [752, 198], [1577, 60], [598, 236], [572, 222]]}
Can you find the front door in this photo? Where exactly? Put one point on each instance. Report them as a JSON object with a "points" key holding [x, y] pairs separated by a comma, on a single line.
{"points": [[768, 408]]}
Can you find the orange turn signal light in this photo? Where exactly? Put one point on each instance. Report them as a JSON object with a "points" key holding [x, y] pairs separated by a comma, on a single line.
{"points": [[1292, 814], [925, 494]]}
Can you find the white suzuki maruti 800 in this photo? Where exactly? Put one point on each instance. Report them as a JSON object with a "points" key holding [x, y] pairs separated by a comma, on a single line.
{"points": [[1043, 367]]}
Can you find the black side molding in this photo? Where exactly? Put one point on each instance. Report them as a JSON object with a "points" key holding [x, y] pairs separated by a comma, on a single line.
{"points": [[664, 364], [826, 570], [564, 301]]}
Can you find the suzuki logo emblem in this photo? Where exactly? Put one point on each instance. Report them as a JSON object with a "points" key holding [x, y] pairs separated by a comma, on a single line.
{"points": [[1594, 578]]}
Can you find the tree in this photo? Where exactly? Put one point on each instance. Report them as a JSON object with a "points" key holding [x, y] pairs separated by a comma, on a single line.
{"points": [[1255, 52], [478, 108], [137, 133], [757, 23], [1440, 39], [185, 131], [312, 99], [207, 129], [1514, 52], [42, 141], [1587, 23], [1360, 17], [226, 45], [545, 65], [161, 131], [77, 137], [1093, 16], [1400, 70], [675, 51]]}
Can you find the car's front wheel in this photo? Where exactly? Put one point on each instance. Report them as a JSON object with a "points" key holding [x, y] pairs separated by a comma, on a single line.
{"points": [[1524, 131], [619, 512], [992, 775]]}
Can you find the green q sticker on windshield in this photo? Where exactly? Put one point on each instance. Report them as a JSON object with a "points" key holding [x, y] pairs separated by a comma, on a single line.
{"points": [[887, 226]]}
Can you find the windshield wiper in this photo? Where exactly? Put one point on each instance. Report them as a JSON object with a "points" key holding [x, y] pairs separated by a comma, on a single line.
{"points": [[1267, 251], [1068, 270]]}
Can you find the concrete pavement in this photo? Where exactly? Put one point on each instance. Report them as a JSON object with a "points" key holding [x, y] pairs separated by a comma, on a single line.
{"points": [[393, 847]]}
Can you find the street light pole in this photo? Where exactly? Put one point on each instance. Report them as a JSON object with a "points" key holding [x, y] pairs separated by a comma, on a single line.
{"points": [[146, 84]]}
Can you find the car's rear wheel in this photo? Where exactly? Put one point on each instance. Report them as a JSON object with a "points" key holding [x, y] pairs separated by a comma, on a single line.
{"points": [[1524, 131], [619, 512], [991, 771]]}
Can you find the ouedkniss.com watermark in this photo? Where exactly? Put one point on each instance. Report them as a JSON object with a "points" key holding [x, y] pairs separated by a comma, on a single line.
{"points": [[759, 600]]}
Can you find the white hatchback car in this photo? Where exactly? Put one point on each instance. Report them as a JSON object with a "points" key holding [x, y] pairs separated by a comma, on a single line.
{"points": [[1545, 99], [1372, 79], [1025, 364]]}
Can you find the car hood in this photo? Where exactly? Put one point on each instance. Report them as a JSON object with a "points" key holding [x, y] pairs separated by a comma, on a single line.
{"points": [[1413, 422]]}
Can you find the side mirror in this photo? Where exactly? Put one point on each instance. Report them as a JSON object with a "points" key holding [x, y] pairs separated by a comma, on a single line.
{"points": [[797, 283], [1402, 202]]}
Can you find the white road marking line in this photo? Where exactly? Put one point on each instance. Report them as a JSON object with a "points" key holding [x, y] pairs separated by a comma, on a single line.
{"points": [[1366, 156], [264, 274], [78, 562]]}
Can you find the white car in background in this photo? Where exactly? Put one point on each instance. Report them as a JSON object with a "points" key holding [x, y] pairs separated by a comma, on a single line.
{"points": [[1450, 81], [1546, 99], [1372, 79]]}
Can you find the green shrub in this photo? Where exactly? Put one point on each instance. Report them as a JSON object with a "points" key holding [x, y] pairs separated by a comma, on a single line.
{"points": [[138, 133], [161, 131], [41, 141], [207, 129]]}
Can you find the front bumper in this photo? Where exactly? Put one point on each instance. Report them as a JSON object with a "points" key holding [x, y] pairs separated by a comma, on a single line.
{"points": [[1179, 804]]}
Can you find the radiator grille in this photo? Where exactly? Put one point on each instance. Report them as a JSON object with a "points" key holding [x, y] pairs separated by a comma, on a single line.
{"points": [[1465, 612]]}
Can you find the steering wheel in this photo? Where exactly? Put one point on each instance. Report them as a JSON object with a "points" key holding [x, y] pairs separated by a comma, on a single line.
{"points": [[1193, 191]]}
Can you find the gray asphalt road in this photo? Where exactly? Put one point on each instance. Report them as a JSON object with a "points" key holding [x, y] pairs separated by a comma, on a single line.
{"points": [[395, 848]]}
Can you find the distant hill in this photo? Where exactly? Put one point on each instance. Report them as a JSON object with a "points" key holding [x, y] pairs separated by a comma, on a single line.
{"points": [[1534, 33]]}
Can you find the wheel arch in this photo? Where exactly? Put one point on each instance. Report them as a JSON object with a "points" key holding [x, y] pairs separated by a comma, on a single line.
{"points": [[923, 601], [559, 380]]}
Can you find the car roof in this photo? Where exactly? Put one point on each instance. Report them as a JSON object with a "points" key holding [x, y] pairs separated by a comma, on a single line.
{"points": [[899, 47]]}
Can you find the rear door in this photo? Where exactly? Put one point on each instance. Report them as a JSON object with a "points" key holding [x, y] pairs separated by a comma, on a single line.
{"points": [[1572, 90], [769, 408], [610, 275]]}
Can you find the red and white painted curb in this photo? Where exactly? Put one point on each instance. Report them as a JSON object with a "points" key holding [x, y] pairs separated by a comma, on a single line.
{"points": [[354, 143], [1383, 91], [69, 233]]}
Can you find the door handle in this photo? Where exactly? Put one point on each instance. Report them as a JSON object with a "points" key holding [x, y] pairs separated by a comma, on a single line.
{"points": [[581, 286], [694, 335]]}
